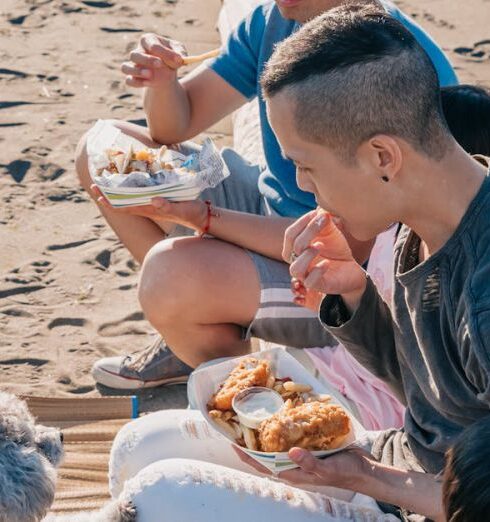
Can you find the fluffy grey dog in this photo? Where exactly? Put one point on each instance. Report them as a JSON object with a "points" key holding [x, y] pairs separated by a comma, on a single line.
{"points": [[29, 455]]}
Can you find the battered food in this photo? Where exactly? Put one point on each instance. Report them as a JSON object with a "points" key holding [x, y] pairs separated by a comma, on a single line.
{"points": [[311, 425], [250, 372]]}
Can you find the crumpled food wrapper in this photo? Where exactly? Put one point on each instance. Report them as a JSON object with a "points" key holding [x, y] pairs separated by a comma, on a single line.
{"points": [[183, 179]]}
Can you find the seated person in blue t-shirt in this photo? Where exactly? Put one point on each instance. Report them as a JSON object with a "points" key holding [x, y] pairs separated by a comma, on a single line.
{"points": [[208, 297]]}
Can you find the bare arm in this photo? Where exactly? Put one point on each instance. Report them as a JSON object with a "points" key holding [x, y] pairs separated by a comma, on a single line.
{"points": [[190, 106], [261, 234], [417, 492], [356, 470], [177, 110]]}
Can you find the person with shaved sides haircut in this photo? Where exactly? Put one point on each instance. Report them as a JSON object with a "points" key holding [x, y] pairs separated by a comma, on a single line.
{"points": [[354, 102]]}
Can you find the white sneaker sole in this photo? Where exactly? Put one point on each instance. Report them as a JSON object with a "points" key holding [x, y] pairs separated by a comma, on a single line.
{"points": [[119, 382]]}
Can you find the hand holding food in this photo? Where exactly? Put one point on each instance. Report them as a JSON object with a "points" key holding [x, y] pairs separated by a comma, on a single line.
{"points": [[321, 260], [154, 62]]}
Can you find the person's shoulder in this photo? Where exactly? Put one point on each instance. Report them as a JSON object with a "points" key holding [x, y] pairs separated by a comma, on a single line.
{"points": [[478, 243]]}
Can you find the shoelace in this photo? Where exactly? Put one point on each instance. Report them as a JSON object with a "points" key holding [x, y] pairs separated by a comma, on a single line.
{"points": [[147, 355]]}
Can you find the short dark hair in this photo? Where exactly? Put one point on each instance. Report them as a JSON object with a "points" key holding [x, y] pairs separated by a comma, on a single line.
{"points": [[467, 112], [355, 72], [466, 479]]}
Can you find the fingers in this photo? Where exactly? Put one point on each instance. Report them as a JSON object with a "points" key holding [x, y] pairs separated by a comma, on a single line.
{"points": [[140, 58], [310, 232], [136, 71], [131, 81], [292, 232], [161, 48], [316, 277], [309, 468], [304, 459], [162, 205], [299, 268]]}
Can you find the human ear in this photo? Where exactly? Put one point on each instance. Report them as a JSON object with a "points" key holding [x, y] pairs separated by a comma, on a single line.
{"points": [[384, 155]]}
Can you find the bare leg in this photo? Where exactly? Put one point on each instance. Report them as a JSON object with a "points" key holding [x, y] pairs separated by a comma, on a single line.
{"points": [[138, 234], [199, 293]]}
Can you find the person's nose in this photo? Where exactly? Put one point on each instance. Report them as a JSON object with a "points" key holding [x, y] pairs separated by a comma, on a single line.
{"points": [[303, 181]]}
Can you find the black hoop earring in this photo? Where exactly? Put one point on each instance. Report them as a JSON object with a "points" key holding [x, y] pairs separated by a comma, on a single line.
{"points": [[385, 179]]}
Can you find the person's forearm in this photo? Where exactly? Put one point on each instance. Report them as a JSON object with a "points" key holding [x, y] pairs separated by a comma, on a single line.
{"points": [[168, 113], [419, 493], [261, 234]]}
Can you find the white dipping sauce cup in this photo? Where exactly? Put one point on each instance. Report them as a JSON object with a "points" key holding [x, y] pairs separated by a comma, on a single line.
{"points": [[254, 405]]}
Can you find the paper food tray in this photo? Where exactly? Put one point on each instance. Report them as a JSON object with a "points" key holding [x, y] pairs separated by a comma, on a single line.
{"points": [[104, 135], [205, 382]]}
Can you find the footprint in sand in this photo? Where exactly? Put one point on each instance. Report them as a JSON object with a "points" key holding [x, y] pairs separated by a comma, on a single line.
{"points": [[73, 195], [78, 322], [16, 312], [30, 361], [71, 244], [49, 171], [30, 272], [120, 30], [100, 259], [17, 169], [126, 326], [13, 124], [100, 5], [18, 20], [82, 389], [478, 53], [12, 73], [37, 150]]}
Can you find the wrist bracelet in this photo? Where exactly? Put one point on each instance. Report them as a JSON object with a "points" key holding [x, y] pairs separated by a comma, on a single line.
{"points": [[211, 212]]}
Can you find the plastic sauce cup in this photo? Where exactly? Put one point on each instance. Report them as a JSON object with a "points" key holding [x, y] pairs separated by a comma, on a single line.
{"points": [[254, 405]]}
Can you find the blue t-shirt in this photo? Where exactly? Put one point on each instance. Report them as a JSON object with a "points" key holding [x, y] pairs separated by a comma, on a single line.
{"points": [[241, 64]]}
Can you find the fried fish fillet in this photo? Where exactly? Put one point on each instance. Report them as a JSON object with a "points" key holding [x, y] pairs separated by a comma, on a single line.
{"points": [[250, 372], [312, 425]]}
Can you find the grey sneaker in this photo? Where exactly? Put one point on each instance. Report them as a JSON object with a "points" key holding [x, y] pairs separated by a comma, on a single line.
{"points": [[154, 366]]}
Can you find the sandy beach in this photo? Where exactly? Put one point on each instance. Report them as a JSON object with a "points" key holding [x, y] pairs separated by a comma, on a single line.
{"points": [[67, 286]]}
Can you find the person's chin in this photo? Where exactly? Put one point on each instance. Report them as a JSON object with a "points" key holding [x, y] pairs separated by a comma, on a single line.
{"points": [[291, 10]]}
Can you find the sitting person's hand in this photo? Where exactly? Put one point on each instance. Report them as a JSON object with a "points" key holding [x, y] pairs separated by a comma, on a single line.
{"points": [[192, 214], [321, 261], [154, 62], [339, 470]]}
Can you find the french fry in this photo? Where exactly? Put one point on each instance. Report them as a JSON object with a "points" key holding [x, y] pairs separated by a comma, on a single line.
{"points": [[292, 386], [215, 414], [225, 426], [227, 415], [249, 438], [238, 429], [270, 381], [323, 397], [279, 388], [187, 60]]}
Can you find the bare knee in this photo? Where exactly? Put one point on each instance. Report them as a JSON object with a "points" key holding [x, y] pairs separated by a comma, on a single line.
{"points": [[165, 283]]}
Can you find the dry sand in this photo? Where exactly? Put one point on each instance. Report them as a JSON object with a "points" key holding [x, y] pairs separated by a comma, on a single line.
{"points": [[67, 287]]}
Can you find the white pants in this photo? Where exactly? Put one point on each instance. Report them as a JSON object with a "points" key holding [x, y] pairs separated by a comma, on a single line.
{"points": [[174, 467]]}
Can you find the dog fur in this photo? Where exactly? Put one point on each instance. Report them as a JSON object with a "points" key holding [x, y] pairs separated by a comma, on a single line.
{"points": [[29, 456]]}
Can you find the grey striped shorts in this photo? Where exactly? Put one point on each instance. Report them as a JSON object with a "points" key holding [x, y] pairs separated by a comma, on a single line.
{"points": [[278, 319]]}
